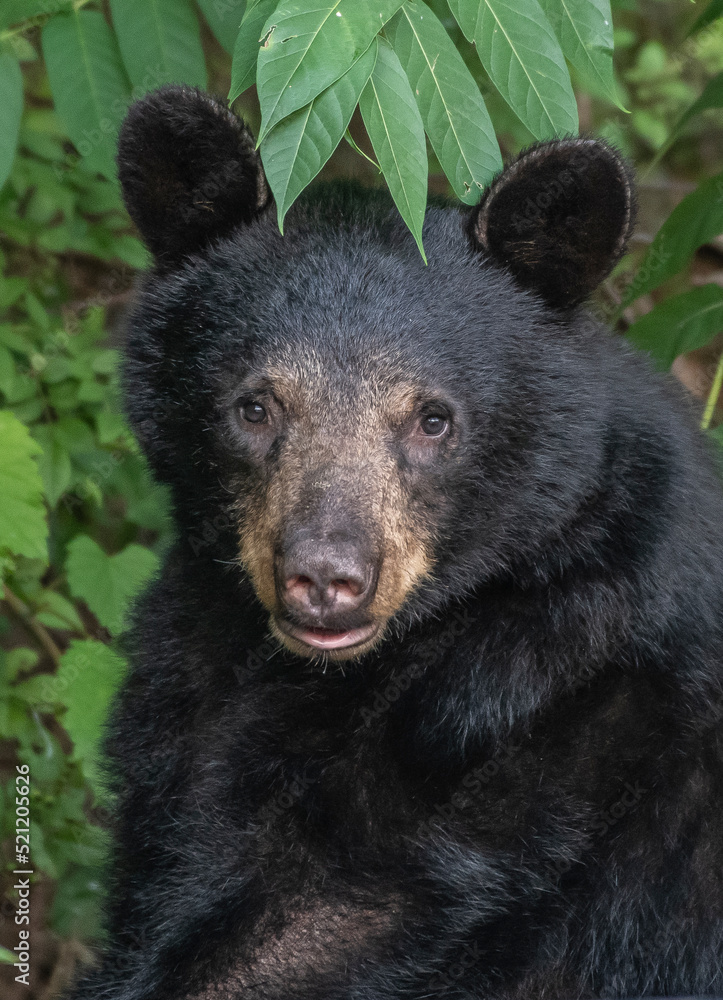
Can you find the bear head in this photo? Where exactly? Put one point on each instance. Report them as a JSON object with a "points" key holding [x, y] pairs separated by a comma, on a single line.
{"points": [[368, 437]]}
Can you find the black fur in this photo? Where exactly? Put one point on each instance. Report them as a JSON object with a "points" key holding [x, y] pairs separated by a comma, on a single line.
{"points": [[559, 217], [519, 793], [189, 171]]}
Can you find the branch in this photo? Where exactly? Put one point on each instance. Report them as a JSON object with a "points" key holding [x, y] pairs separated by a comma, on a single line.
{"points": [[38, 631]]}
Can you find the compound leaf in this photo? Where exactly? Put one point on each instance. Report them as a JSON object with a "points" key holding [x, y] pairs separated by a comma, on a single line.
{"points": [[584, 29], [246, 49]]}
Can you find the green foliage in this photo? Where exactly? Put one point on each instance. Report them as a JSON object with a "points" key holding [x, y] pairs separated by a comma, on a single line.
{"points": [[89, 84], [76, 500], [441, 88], [585, 31], [712, 12], [698, 218], [86, 681], [159, 42], [306, 49], [107, 583], [312, 67], [11, 99], [22, 518], [519, 50], [679, 324]]}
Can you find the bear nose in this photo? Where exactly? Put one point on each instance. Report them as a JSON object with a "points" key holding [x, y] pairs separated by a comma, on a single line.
{"points": [[326, 577]]}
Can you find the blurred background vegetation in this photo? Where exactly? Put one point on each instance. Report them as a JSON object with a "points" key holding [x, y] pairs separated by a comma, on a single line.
{"points": [[82, 525]]}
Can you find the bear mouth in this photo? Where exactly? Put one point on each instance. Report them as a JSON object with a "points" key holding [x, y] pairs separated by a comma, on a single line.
{"points": [[340, 643]]}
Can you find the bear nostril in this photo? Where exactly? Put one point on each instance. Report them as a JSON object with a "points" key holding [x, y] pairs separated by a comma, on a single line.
{"points": [[298, 588], [347, 588], [307, 591]]}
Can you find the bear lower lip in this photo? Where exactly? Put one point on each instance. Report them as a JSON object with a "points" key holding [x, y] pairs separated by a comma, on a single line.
{"points": [[325, 638]]}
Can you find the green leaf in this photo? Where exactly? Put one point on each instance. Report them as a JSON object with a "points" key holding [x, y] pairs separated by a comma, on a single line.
{"points": [[147, 502], [584, 29], [108, 583], [54, 462], [518, 48], [110, 426], [89, 675], [224, 18], [296, 150], [11, 109], [697, 219], [306, 50], [246, 49], [454, 115], [679, 324], [712, 97], [712, 12], [8, 373], [395, 128], [57, 611], [160, 42], [74, 434], [7, 956], [18, 660], [89, 85], [22, 513]]}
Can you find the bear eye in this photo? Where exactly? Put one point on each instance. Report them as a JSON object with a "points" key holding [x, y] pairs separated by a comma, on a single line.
{"points": [[255, 413], [434, 424]]}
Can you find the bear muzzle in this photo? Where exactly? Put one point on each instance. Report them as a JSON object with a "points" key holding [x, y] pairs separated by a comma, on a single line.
{"points": [[325, 582]]}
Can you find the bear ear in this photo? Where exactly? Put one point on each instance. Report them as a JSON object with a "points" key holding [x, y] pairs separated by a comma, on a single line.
{"points": [[559, 218], [188, 171]]}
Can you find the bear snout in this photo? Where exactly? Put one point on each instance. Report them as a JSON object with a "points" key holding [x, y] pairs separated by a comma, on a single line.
{"points": [[323, 578]]}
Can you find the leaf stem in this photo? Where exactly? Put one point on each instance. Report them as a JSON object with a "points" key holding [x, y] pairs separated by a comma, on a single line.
{"points": [[35, 628], [350, 139], [713, 396], [39, 20]]}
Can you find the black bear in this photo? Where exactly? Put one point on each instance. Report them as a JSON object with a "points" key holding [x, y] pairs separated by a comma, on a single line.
{"points": [[427, 699]]}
